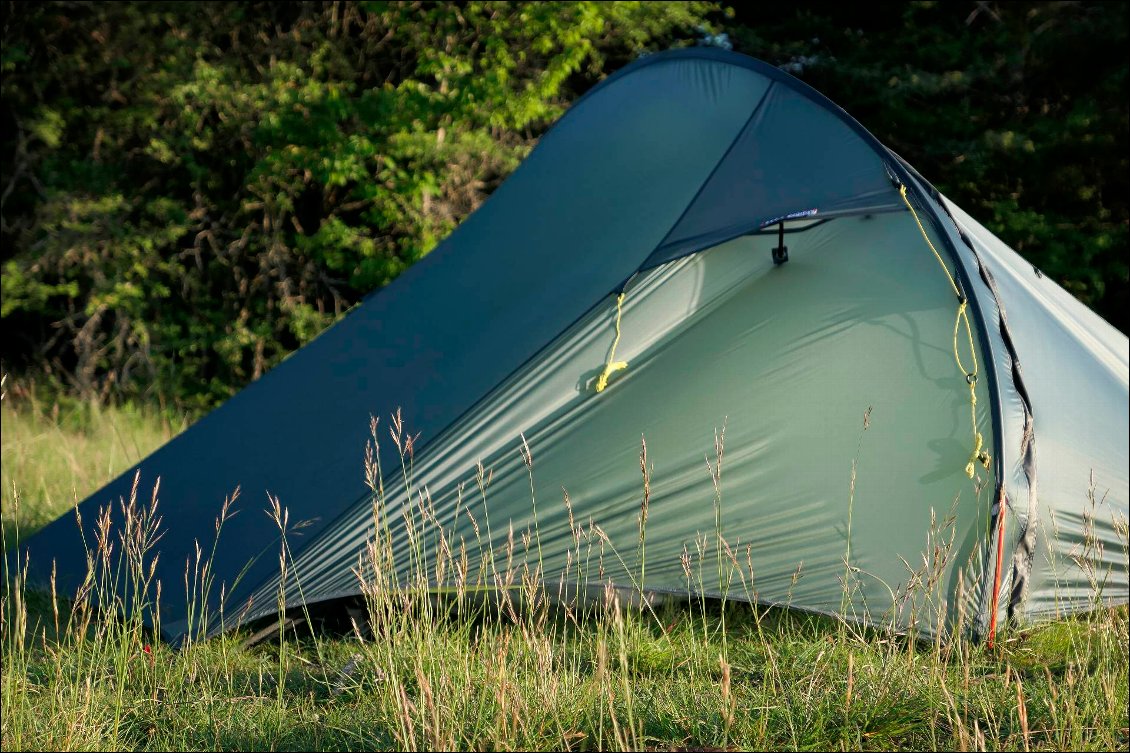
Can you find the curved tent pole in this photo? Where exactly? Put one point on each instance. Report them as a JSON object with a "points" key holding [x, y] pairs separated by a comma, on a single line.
{"points": [[898, 173], [896, 170], [901, 176], [1022, 561]]}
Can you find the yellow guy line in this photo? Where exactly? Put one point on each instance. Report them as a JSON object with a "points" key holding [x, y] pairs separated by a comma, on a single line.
{"points": [[613, 366], [979, 455]]}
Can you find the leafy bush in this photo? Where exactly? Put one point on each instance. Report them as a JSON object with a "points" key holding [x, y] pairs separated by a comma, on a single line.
{"points": [[193, 190]]}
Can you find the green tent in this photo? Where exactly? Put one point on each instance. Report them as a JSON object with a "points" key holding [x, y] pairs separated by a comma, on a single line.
{"points": [[761, 264]]}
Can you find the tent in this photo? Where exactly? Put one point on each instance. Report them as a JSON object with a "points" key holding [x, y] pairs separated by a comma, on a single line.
{"points": [[702, 244]]}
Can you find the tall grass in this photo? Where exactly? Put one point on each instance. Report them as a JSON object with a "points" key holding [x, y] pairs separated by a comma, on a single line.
{"points": [[55, 453], [500, 657]]}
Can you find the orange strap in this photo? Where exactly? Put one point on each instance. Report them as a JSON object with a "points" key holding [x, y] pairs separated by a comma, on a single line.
{"points": [[997, 577]]}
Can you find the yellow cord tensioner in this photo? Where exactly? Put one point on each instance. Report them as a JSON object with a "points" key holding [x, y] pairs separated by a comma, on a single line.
{"points": [[612, 366], [978, 455]]}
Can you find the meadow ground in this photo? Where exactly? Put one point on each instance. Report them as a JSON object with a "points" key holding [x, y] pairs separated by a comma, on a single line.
{"points": [[470, 676]]}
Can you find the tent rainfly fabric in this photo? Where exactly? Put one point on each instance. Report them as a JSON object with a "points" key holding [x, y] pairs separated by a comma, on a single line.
{"points": [[701, 242]]}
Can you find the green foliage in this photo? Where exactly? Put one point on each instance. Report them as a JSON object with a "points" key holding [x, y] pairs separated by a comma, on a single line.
{"points": [[193, 190]]}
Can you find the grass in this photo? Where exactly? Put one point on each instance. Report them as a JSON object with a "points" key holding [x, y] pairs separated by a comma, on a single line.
{"points": [[56, 453], [517, 673]]}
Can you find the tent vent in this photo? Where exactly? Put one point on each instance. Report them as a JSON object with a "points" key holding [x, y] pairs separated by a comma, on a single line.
{"points": [[781, 252]]}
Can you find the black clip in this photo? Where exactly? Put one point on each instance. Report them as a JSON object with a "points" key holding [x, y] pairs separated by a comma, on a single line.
{"points": [[781, 252]]}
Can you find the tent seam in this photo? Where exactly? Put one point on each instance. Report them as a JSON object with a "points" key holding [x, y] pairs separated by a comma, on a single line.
{"points": [[713, 171], [1025, 546]]}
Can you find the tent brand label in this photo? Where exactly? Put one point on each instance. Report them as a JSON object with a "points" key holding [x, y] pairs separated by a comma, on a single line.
{"points": [[790, 216]]}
